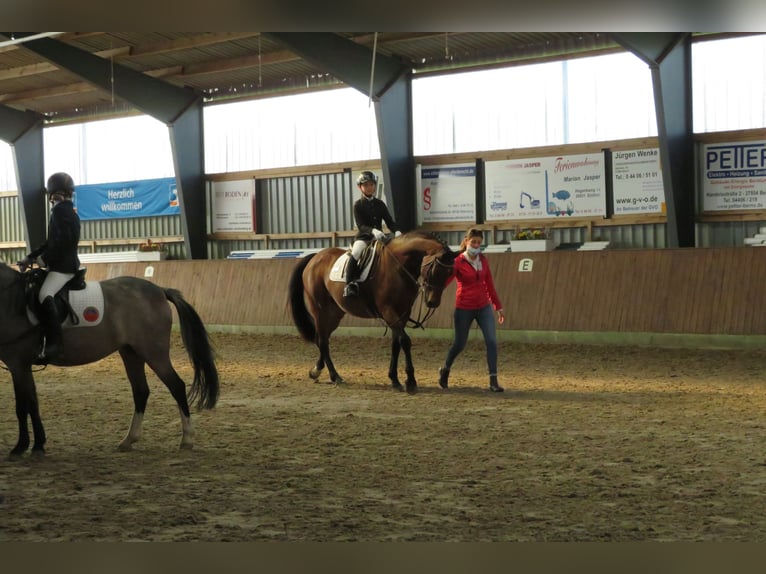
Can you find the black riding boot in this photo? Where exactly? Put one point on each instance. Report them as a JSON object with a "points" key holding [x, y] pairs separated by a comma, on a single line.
{"points": [[51, 330], [352, 274], [493, 386]]}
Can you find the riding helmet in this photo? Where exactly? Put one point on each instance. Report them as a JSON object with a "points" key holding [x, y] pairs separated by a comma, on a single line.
{"points": [[366, 176], [60, 181]]}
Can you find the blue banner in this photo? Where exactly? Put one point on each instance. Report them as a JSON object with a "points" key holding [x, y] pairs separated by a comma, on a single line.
{"points": [[145, 198]]}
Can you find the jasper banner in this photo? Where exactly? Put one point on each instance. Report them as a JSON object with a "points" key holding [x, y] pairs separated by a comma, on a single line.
{"points": [[148, 197]]}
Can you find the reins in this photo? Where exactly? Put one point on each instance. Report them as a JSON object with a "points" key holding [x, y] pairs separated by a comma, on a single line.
{"points": [[421, 319]]}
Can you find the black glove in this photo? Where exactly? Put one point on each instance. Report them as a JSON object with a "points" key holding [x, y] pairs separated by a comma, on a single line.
{"points": [[25, 263]]}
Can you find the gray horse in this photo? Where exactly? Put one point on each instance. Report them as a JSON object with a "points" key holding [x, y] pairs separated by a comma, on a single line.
{"points": [[134, 319]]}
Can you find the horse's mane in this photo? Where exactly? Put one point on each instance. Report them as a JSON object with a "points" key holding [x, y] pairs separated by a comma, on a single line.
{"points": [[11, 299], [425, 234], [6, 270]]}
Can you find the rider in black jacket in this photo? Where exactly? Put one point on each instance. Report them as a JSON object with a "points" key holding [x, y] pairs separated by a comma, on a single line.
{"points": [[369, 215], [59, 255]]}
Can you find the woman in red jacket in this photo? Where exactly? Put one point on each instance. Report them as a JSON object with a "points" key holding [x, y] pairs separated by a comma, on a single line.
{"points": [[475, 300]]}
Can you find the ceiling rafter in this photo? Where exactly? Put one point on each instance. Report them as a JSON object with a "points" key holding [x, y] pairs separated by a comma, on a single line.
{"points": [[168, 73], [244, 65]]}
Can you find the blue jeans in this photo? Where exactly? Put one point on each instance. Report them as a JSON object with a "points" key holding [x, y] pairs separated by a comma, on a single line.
{"points": [[485, 318]]}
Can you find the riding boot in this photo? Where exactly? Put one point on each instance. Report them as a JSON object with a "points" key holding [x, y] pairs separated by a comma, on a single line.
{"points": [[493, 386], [352, 274], [51, 331], [443, 377]]}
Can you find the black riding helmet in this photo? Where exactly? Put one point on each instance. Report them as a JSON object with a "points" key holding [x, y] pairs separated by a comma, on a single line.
{"points": [[366, 176], [62, 182]]}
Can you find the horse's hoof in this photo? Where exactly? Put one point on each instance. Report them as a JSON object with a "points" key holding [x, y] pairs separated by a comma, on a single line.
{"points": [[314, 374], [15, 455], [412, 389], [186, 446], [37, 454], [125, 447], [397, 386], [338, 381]]}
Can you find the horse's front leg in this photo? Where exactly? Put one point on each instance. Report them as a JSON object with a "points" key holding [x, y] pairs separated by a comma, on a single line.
{"points": [[406, 343], [393, 367], [27, 406]]}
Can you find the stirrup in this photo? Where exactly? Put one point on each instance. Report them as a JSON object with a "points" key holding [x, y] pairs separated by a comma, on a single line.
{"points": [[45, 355], [42, 358]]}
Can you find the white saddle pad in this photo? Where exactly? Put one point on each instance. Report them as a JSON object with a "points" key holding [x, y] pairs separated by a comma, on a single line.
{"points": [[338, 271], [88, 306]]}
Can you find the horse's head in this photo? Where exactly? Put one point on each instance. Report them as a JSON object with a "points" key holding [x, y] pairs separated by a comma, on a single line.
{"points": [[435, 258], [434, 273]]}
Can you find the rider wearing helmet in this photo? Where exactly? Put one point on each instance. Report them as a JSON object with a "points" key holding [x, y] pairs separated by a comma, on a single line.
{"points": [[59, 255], [369, 213]]}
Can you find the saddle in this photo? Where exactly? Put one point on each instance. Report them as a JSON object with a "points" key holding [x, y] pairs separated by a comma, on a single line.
{"points": [[367, 256], [34, 280], [338, 271]]}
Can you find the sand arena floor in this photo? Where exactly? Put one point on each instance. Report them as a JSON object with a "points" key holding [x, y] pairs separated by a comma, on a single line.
{"points": [[587, 444]]}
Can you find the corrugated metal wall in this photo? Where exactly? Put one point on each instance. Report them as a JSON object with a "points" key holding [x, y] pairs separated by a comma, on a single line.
{"points": [[307, 203], [144, 228], [11, 227], [645, 236], [323, 203], [134, 228], [299, 204], [10, 217], [727, 233]]}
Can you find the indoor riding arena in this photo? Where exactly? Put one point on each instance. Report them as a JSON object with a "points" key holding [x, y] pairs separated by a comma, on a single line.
{"points": [[624, 417], [613, 182]]}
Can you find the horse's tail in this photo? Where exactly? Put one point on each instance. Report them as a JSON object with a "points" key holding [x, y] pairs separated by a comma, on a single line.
{"points": [[204, 388], [301, 316]]}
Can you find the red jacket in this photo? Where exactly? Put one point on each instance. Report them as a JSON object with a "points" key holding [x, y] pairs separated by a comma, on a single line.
{"points": [[475, 289]]}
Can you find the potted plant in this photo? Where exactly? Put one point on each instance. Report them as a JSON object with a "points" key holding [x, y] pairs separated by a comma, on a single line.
{"points": [[152, 251], [532, 239]]}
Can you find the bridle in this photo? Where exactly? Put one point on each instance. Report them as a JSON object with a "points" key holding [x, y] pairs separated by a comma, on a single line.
{"points": [[427, 283], [436, 261], [427, 271]]}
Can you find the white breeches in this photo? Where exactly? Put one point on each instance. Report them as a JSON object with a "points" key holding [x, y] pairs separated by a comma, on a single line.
{"points": [[53, 284], [358, 248]]}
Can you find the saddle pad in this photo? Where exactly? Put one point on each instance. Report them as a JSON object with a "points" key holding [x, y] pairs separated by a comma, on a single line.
{"points": [[87, 304], [338, 271]]}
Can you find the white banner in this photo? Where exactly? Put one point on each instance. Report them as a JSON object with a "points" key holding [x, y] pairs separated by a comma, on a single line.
{"points": [[447, 193], [734, 176], [234, 205], [637, 182], [546, 187]]}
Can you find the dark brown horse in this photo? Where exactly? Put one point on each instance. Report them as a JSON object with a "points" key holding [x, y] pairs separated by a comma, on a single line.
{"points": [[131, 316], [414, 262]]}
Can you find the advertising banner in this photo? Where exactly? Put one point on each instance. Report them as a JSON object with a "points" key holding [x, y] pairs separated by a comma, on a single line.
{"points": [[545, 187], [447, 193], [637, 182], [148, 197], [734, 176], [234, 205]]}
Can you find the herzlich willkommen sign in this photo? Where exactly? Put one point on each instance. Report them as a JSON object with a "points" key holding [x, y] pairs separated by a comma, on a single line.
{"points": [[148, 197]]}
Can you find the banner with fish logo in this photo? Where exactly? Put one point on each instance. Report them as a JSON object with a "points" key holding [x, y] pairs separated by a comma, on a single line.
{"points": [[545, 187]]}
